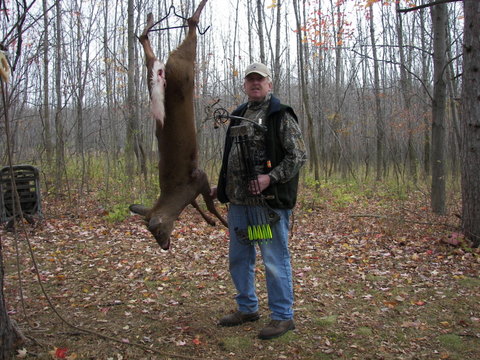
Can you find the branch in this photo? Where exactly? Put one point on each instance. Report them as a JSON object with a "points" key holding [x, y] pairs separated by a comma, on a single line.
{"points": [[405, 67], [451, 226], [433, 3]]}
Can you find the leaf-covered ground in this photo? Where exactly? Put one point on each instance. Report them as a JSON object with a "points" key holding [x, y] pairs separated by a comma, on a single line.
{"points": [[375, 278]]}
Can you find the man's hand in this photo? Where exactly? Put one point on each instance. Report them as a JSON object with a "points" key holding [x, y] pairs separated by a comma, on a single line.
{"points": [[257, 186]]}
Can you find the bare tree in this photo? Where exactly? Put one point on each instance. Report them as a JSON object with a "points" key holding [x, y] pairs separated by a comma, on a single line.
{"points": [[59, 126], [304, 94], [470, 122], [406, 93], [424, 78], [134, 145], [378, 108], [439, 24], [261, 40], [47, 135], [276, 60], [10, 336]]}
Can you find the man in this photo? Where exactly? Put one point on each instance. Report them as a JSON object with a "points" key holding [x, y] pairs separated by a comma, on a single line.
{"points": [[277, 152]]}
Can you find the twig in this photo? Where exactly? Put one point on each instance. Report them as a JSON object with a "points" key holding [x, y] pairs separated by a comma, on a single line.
{"points": [[433, 3], [404, 220], [369, 215]]}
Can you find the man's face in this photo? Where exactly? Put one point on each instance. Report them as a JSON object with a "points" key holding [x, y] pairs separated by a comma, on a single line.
{"points": [[256, 86]]}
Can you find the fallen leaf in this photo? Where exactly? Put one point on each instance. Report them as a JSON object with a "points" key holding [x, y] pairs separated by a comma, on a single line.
{"points": [[21, 353], [59, 353]]}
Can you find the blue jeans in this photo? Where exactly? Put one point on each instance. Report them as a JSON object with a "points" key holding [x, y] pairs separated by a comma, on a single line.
{"points": [[276, 259]]}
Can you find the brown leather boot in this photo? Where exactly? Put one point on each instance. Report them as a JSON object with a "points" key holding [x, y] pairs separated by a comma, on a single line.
{"points": [[275, 329], [238, 318]]}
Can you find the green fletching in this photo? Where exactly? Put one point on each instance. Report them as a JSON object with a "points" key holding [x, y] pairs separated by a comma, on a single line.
{"points": [[250, 234], [269, 231]]}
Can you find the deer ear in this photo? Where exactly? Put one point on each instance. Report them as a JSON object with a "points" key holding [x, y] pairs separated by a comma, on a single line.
{"points": [[139, 209]]}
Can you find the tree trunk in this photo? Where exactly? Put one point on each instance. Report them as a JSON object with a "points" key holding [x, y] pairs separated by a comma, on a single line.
{"points": [[7, 335], [10, 336], [405, 87], [378, 108], [80, 92], [304, 93], [439, 22], [250, 35], [260, 31], [47, 132], [129, 151], [276, 61], [134, 146], [426, 120], [59, 135], [470, 154]]}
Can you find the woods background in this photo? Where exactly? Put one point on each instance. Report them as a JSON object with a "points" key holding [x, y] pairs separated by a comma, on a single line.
{"points": [[389, 105], [359, 73]]}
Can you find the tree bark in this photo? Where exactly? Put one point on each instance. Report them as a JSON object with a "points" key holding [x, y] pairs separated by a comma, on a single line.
{"points": [[426, 120], [7, 335], [59, 135], [304, 93], [470, 155], [47, 132], [405, 87], [260, 31], [378, 109], [439, 24], [276, 61], [134, 147]]}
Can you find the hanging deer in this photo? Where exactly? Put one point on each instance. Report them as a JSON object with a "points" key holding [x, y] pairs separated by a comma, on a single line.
{"points": [[171, 89]]}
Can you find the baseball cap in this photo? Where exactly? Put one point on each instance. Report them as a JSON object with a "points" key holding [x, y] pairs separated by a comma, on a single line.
{"points": [[258, 68]]}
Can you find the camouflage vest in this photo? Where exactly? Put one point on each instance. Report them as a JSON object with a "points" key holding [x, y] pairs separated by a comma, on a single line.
{"points": [[278, 195]]}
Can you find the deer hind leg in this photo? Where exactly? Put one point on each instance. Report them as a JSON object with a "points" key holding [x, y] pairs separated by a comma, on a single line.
{"points": [[211, 206], [203, 187], [207, 218]]}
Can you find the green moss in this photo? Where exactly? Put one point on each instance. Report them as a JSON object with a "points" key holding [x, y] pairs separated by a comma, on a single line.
{"points": [[364, 331], [451, 342], [326, 321], [469, 282], [235, 343]]}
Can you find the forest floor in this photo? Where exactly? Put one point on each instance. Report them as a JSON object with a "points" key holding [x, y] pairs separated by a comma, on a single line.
{"points": [[376, 276]]}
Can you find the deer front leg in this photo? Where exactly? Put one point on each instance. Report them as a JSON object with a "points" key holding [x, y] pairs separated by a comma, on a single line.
{"points": [[155, 75]]}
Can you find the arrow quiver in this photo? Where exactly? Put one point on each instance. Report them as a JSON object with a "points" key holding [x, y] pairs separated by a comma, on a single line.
{"points": [[260, 216]]}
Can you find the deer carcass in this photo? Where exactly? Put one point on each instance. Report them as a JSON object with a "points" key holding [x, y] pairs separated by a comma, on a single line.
{"points": [[171, 93]]}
